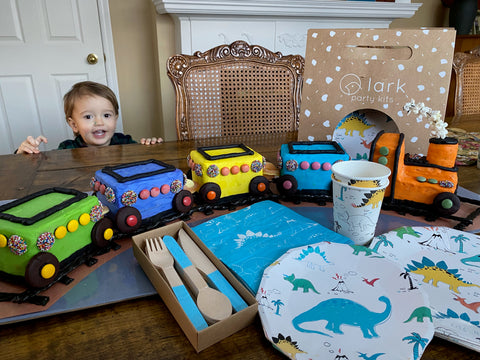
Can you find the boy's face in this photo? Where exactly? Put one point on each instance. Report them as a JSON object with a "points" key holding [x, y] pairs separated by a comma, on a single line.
{"points": [[94, 119]]}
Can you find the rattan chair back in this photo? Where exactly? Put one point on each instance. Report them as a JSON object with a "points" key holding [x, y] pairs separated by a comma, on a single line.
{"points": [[236, 89], [467, 83]]}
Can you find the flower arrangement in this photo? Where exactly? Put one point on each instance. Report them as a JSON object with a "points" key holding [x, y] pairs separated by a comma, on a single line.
{"points": [[439, 129]]}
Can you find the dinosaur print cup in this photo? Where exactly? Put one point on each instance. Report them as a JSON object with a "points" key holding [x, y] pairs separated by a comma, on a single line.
{"points": [[356, 210], [361, 173]]}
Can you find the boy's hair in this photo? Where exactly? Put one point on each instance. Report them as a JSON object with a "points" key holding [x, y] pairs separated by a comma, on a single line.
{"points": [[89, 88]]}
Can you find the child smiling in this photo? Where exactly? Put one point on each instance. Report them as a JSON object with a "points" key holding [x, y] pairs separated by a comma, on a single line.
{"points": [[91, 110]]}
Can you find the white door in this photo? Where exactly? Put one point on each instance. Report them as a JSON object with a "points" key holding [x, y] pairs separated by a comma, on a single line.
{"points": [[44, 46]]}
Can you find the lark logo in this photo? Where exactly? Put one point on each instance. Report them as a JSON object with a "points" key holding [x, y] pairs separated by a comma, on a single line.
{"points": [[351, 84]]}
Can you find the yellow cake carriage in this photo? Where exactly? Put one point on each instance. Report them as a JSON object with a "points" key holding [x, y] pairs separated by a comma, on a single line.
{"points": [[227, 170]]}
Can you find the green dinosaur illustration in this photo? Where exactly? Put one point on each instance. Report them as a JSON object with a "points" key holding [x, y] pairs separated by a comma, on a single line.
{"points": [[354, 122], [305, 284], [360, 248], [407, 230], [438, 272], [420, 313]]}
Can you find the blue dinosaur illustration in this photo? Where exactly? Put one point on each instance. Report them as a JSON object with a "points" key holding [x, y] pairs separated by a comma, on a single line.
{"points": [[471, 259], [372, 357], [339, 311], [305, 284]]}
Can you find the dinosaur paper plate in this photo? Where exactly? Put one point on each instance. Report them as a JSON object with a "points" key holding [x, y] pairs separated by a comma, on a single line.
{"points": [[336, 301], [445, 263]]}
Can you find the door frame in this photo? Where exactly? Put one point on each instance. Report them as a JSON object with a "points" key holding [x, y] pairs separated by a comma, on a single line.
{"points": [[109, 52]]}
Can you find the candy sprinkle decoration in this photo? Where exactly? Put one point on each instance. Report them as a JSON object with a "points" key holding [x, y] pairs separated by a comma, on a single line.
{"points": [[45, 241], [129, 198], [17, 245], [176, 186], [96, 213]]}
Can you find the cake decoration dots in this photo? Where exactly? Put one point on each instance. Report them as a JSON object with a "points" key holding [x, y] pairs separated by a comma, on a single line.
{"points": [[3, 240], [244, 168], [235, 169], [45, 241], [129, 198], [144, 194], [60, 232], [110, 194], [225, 171], [256, 166], [17, 245], [165, 189], [176, 186], [197, 169], [446, 184], [84, 219], [96, 213], [154, 191], [291, 165], [213, 171]]}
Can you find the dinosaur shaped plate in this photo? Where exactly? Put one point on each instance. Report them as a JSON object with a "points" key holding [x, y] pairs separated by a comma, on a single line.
{"points": [[445, 263], [336, 301]]}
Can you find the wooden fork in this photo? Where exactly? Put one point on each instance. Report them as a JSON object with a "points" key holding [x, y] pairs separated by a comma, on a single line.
{"points": [[161, 258]]}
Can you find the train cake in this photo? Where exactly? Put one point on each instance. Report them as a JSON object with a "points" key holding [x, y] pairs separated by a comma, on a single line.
{"points": [[430, 181], [141, 191], [222, 172], [46, 232], [305, 166]]}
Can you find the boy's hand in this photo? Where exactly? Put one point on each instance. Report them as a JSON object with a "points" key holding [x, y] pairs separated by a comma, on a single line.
{"points": [[151, 141], [30, 146]]}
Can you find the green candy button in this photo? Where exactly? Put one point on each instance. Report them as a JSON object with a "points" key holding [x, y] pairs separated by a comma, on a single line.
{"points": [[383, 160], [384, 151], [433, 181], [421, 178]]}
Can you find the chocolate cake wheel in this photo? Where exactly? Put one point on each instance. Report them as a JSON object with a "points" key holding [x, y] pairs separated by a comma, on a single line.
{"points": [[128, 219], [446, 203], [287, 185], [42, 269], [102, 232], [258, 185], [210, 193], [183, 201]]}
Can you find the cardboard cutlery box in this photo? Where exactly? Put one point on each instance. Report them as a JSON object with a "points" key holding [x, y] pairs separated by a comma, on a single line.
{"points": [[215, 332]]}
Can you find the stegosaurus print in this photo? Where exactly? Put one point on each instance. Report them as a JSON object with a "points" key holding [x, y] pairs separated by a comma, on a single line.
{"points": [[373, 198], [287, 346], [438, 272], [354, 122]]}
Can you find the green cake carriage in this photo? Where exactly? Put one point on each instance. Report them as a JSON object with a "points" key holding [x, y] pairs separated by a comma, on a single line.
{"points": [[45, 232]]}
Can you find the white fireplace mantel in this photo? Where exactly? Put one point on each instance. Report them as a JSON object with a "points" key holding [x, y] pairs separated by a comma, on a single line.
{"points": [[279, 25]]}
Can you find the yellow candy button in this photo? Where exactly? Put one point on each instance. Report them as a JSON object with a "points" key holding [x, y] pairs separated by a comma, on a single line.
{"points": [[84, 219], [3, 240], [108, 234], [72, 225], [60, 232], [47, 271]]}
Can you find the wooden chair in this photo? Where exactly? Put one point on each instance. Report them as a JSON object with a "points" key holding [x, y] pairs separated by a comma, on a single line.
{"points": [[466, 67], [236, 89]]}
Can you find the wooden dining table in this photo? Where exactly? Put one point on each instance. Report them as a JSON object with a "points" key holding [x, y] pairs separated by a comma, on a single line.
{"points": [[141, 328]]}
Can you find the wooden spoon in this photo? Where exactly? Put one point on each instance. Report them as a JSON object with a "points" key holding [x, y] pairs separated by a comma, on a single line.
{"points": [[213, 305], [208, 269]]}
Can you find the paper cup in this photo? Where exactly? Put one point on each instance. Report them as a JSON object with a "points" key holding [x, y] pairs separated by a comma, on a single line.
{"points": [[361, 173], [356, 211]]}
